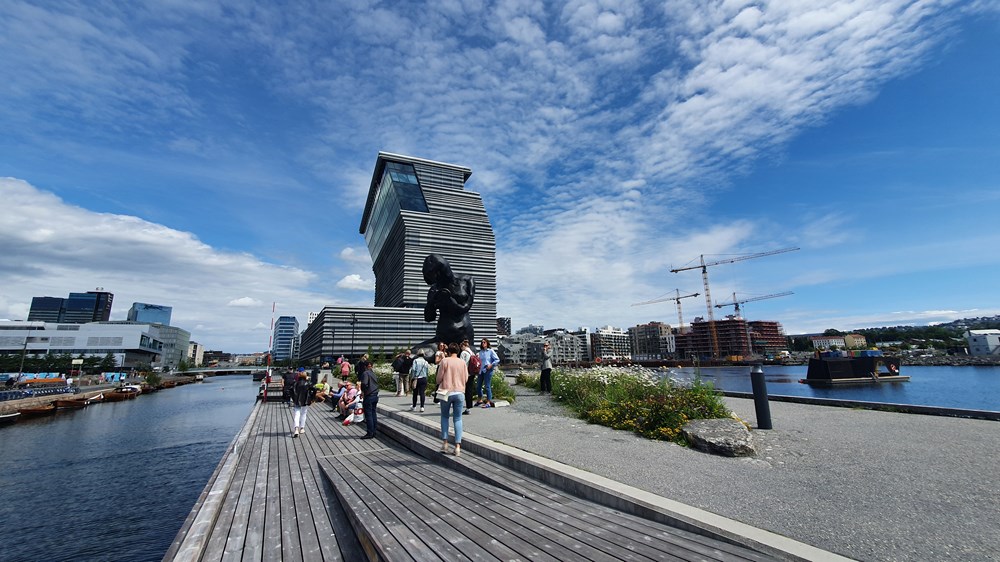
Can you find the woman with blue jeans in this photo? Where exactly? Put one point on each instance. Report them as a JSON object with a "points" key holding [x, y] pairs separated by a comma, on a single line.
{"points": [[451, 376], [488, 360]]}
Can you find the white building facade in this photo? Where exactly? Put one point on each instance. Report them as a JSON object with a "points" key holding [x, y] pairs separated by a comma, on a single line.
{"points": [[983, 342]]}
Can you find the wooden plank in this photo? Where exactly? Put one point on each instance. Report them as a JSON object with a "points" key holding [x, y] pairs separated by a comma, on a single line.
{"points": [[378, 542], [290, 517], [253, 540], [463, 528], [554, 538], [235, 538], [304, 490], [216, 545], [271, 546], [440, 529], [616, 522]]}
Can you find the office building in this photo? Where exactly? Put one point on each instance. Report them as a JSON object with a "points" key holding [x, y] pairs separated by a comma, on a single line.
{"points": [[503, 326], [284, 344], [78, 308], [415, 207], [196, 354], [132, 345], [149, 313]]}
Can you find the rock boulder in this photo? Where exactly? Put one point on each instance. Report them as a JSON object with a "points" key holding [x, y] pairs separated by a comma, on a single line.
{"points": [[724, 436]]}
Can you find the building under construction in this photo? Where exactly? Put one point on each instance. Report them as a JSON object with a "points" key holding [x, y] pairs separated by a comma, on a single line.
{"points": [[738, 339]]}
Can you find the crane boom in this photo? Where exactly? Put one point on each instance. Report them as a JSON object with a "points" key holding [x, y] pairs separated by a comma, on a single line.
{"points": [[708, 297], [737, 303], [677, 300]]}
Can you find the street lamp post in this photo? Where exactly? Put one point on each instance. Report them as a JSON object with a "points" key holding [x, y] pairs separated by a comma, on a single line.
{"points": [[354, 320]]}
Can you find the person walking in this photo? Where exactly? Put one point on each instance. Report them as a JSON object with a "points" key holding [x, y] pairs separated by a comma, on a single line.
{"points": [[419, 370], [345, 370], [369, 397], [545, 381], [488, 360], [302, 396], [451, 377]]}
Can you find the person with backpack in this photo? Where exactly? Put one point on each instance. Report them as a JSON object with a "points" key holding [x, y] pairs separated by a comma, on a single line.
{"points": [[302, 396], [419, 369], [488, 362]]}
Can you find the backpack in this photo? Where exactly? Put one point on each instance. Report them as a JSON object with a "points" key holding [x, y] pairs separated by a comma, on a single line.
{"points": [[397, 365], [474, 364]]}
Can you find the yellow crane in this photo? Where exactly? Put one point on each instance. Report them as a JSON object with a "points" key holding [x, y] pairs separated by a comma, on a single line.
{"points": [[708, 295], [677, 300]]}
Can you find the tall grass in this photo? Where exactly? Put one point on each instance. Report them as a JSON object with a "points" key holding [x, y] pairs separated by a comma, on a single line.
{"points": [[656, 408]]}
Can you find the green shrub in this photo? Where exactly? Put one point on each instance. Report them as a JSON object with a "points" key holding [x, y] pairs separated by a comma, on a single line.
{"points": [[635, 401]]}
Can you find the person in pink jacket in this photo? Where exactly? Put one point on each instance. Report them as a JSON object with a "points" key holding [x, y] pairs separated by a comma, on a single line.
{"points": [[451, 376]]}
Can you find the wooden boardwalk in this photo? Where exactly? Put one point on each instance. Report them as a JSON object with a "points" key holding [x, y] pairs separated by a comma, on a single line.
{"points": [[329, 495]]}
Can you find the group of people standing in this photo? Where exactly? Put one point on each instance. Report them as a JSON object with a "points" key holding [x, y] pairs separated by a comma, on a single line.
{"points": [[463, 376]]}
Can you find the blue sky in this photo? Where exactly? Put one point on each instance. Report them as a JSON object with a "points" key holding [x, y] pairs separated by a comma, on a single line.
{"points": [[215, 156]]}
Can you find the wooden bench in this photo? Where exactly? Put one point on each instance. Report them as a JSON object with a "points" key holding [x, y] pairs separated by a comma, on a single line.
{"points": [[415, 503]]}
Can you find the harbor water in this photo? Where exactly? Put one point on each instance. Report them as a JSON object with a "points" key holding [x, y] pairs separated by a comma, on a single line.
{"points": [[115, 481], [969, 388]]}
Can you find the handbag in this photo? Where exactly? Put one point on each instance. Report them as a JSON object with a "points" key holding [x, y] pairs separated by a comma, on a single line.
{"points": [[413, 384]]}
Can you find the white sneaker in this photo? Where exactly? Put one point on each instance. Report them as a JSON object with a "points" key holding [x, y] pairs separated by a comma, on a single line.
{"points": [[413, 408], [421, 408]]}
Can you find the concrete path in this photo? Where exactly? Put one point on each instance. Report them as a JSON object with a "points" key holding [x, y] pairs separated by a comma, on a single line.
{"points": [[864, 484]]}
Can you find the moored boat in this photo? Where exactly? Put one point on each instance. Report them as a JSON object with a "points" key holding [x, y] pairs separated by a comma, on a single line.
{"points": [[74, 404], [43, 410], [9, 418], [127, 392], [837, 368]]}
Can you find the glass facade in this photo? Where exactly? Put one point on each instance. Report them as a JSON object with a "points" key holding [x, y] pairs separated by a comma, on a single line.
{"points": [[398, 190]]}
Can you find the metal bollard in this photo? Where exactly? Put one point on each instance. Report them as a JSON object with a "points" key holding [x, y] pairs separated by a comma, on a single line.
{"points": [[760, 404]]}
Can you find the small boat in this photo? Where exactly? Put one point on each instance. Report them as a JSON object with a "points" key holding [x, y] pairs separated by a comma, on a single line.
{"points": [[126, 392], [9, 418], [838, 368], [74, 404], [168, 384], [199, 377], [96, 399], [43, 410]]}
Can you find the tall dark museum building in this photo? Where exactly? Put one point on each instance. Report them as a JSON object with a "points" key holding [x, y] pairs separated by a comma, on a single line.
{"points": [[415, 207]]}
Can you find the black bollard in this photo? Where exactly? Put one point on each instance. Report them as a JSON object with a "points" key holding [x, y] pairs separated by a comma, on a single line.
{"points": [[760, 404]]}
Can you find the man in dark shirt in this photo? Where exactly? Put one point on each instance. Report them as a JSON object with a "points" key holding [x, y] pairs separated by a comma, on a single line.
{"points": [[369, 397]]}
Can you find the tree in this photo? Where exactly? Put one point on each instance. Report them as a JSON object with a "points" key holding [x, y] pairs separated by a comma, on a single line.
{"points": [[108, 363], [832, 332], [183, 366]]}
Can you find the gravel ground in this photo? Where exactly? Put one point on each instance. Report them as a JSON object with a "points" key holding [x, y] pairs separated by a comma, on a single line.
{"points": [[864, 484]]}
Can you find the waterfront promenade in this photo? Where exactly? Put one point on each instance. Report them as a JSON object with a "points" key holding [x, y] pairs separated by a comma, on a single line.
{"points": [[868, 485], [328, 495], [863, 484]]}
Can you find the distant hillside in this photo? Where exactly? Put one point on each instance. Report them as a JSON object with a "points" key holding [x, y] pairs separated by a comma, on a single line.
{"points": [[941, 336]]}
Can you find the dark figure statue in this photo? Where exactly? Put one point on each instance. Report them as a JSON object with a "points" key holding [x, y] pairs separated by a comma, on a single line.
{"points": [[448, 301]]}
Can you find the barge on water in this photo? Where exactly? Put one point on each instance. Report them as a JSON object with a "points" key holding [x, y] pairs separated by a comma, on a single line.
{"points": [[837, 368]]}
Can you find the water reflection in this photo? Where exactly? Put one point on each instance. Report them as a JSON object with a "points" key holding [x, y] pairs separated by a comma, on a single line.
{"points": [[115, 481]]}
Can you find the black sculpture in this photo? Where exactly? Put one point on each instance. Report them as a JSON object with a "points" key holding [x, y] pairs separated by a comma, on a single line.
{"points": [[449, 300]]}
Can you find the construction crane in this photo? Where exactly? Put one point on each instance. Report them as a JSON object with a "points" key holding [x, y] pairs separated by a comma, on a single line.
{"points": [[737, 303], [708, 295], [677, 300]]}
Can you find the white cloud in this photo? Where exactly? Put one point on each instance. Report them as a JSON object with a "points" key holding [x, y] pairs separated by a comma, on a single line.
{"points": [[354, 282], [354, 255], [52, 248]]}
